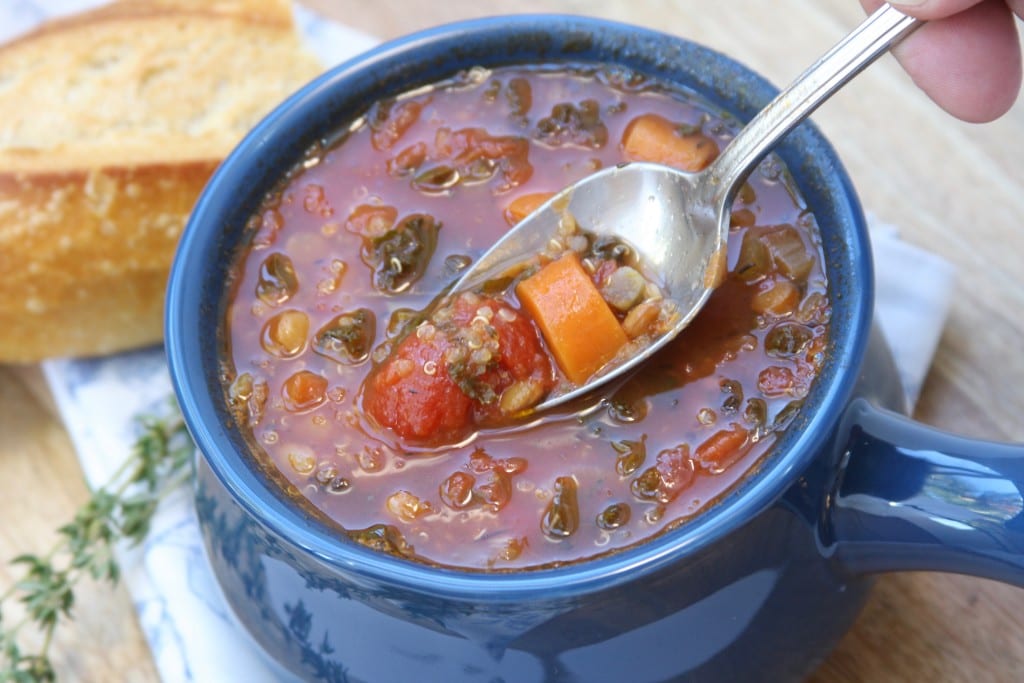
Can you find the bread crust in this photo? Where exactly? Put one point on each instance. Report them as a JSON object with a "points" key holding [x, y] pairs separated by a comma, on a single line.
{"points": [[88, 227], [270, 13], [84, 256]]}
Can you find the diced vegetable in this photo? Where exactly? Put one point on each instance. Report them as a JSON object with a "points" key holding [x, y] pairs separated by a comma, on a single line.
{"points": [[650, 137], [401, 255], [706, 416], [628, 404], [722, 448], [573, 124], [788, 251], [773, 248], [777, 296], [579, 328], [268, 225], [756, 415], [612, 249], [389, 121], [347, 338], [455, 264], [672, 473], [461, 490], [330, 284], [525, 204], [277, 280], [747, 194], [400, 317]]}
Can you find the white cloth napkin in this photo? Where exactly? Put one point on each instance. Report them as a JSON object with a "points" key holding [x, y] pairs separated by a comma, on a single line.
{"points": [[180, 608], [179, 605]]}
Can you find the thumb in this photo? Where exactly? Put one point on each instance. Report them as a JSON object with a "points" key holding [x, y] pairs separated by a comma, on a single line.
{"points": [[928, 9], [967, 58]]}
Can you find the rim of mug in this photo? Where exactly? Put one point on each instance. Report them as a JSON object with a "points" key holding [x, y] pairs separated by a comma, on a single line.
{"points": [[195, 293]]}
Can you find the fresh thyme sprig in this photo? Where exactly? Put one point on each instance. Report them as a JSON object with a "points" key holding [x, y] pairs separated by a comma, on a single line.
{"points": [[119, 512]]}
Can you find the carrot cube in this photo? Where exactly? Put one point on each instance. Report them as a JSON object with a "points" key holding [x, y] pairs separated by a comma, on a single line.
{"points": [[650, 137], [525, 204], [578, 326]]}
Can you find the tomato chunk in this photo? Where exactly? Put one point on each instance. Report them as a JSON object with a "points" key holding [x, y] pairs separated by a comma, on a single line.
{"points": [[413, 395], [450, 373], [672, 473]]}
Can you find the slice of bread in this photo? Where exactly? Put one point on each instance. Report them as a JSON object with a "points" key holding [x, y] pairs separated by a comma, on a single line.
{"points": [[113, 120]]}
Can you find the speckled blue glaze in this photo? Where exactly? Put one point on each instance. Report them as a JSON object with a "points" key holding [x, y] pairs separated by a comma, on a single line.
{"points": [[757, 589]]}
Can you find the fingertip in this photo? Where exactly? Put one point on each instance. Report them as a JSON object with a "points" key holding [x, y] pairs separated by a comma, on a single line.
{"points": [[969, 64], [929, 9]]}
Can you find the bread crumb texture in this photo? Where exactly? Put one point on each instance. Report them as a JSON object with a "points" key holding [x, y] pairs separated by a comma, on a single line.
{"points": [[113, 122]]}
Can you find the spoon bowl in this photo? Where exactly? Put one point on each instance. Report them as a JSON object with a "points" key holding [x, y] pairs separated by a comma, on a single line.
{"points": [[651, 207], [677, 221]]}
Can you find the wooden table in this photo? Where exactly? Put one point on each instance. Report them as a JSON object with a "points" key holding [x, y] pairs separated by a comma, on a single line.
{"points": [[954, 188]]}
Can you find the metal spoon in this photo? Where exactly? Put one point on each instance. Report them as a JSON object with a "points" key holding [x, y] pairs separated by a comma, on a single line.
{"points": [[678, 222]]}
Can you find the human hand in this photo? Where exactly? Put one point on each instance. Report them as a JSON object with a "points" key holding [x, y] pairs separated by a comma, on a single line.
{"points": [[967, 58]]}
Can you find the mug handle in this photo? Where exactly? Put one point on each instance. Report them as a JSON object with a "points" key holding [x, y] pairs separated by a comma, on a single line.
{"points": [[909, 497]]}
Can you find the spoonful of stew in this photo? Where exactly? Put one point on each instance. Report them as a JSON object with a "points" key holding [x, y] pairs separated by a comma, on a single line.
{"points": [[663, 230], [670, 225]]}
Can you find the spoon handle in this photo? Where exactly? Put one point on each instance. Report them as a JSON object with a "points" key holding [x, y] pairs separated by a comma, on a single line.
{"points": [[880, 31]]}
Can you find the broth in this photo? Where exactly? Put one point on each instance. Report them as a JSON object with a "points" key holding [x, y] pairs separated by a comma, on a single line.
{"points": [[372, 229]]}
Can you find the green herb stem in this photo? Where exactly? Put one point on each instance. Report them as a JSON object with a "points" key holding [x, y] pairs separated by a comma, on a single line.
{"points": [[119, 512]]}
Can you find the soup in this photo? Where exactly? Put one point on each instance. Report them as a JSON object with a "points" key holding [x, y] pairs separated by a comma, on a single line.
{"points": [[360, 239], [475, 359]]}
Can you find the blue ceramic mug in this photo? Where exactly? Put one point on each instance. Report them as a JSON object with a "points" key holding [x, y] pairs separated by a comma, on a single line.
{"points": [[758, 588]]}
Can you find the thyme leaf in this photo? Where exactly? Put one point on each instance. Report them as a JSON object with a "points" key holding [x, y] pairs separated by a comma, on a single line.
{"points": [[119, 512]]}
